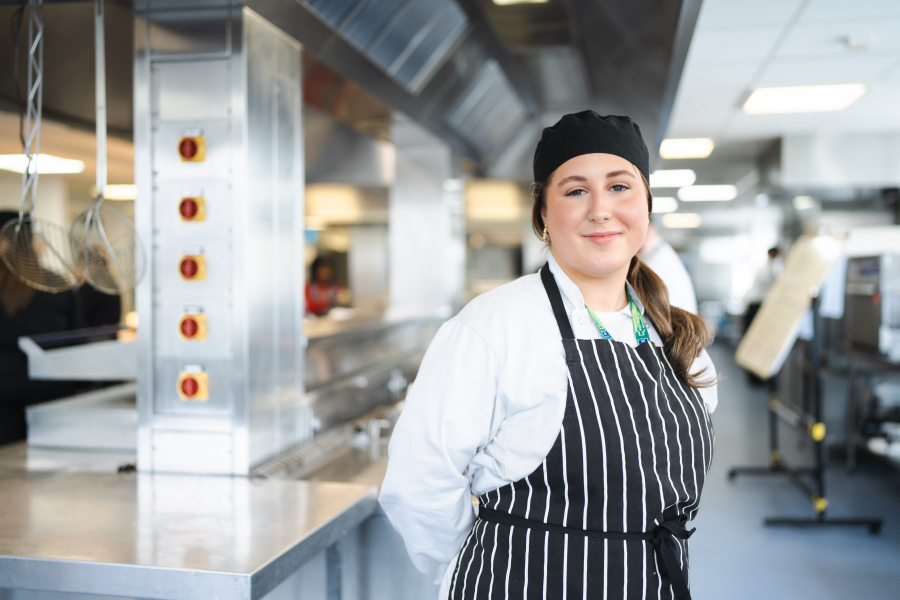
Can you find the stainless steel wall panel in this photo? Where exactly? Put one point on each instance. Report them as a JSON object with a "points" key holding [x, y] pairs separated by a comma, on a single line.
{"points": [[219, 271], [190, 33], [274, 225], [217, 223], [170, 343], [222, 384], [192, 90], [193, 452], [167, 164], [234, 79]]}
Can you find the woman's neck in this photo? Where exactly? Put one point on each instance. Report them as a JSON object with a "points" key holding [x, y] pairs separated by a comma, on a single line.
{"points": [[605, 293]]}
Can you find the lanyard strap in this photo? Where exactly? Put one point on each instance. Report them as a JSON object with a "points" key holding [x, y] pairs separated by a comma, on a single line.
{"points": [[637, 319]]}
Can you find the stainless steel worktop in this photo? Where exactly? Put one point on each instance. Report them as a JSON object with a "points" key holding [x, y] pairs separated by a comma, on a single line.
{"points": [[165, 536]]}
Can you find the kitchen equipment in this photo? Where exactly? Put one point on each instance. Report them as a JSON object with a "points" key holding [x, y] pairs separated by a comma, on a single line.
{"points": [[37, 251], [106, 247]]}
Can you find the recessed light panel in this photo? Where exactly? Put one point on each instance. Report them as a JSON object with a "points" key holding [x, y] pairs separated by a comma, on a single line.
{"points": [[803, 99], [664, 204], [682, 220], [117, 191], [46, 164], [672, 178], [686, 148], [707, 193], [804, 202]]}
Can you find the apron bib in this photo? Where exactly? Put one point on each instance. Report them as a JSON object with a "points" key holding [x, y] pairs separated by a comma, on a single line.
{"points": [[603, 515]]}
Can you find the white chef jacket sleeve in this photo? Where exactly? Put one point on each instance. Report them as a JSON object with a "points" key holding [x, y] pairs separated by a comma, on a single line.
{"points": [[710, 395], [447, 418]]}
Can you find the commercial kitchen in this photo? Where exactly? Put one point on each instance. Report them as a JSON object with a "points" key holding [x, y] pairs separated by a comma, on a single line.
{"points": [[232, 229]]}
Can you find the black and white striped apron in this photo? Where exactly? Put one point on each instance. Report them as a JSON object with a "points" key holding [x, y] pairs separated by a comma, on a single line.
{"points": [[603, 515]]}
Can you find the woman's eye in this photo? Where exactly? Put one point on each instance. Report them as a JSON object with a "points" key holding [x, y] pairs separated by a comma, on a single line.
{"points": [[576, 192], [619, 187]]}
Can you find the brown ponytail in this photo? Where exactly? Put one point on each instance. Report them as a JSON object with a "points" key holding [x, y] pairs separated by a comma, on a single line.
{"points": [[684, 334]]}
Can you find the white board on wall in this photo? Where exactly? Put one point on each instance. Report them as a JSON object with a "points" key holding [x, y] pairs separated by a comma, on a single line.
{"points": [[775, 327]]}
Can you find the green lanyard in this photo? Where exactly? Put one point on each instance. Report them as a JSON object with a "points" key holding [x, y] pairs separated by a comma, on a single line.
{"points": [[637, 319]]}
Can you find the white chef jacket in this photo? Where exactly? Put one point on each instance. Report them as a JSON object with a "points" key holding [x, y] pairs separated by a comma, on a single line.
{"points": [[485, 409], [662, 258]]}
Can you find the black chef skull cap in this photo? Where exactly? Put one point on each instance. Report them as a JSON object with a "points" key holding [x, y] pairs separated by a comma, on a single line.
{"points": [[589, 133]]}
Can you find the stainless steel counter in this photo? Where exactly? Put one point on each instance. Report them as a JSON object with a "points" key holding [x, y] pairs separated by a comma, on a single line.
{"points": [[165, 536]]}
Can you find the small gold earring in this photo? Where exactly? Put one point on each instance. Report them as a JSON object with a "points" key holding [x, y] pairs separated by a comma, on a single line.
{"points": [[546, 235]]}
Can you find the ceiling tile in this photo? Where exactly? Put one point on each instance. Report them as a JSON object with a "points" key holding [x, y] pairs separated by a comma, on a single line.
{"points": [[822, 10], [716, 14], [744, 126], [830, 39], [704, 78], [857, 69], [722, 47], [893, 74]]}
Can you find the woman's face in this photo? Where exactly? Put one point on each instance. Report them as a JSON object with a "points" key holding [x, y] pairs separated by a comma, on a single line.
{"points": [[596, 214]]}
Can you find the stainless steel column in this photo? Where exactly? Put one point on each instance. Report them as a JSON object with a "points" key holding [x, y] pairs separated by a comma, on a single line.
{"points": [[219, 170]]}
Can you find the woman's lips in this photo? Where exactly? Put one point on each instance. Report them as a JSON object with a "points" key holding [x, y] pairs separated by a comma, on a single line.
{"points": [[603, 239]]}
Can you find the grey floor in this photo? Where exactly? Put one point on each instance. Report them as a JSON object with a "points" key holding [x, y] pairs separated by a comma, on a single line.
{"points": [[734, 557]]}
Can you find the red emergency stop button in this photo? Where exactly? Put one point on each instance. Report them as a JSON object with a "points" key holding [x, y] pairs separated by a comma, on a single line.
{"points": [[189, 327], [192, 326], [192, 209], [193, 384], [190, 387], [192, 148], [192, 267]]}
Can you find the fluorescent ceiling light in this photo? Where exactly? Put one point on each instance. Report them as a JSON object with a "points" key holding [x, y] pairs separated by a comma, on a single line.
{"points": [[686, 148], [117, 191], [681, 220], [803, 99], [46, 164], [509, 2], [707, 193], [804, 202], [672, 178], [664, 204]]}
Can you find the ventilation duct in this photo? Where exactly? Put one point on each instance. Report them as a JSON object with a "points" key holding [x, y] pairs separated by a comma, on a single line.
{"points": [[408, 41], [488, 110]]}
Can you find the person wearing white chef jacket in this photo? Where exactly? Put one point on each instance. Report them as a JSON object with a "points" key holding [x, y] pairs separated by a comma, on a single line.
{"points": [[574, 403], [660, 256]]}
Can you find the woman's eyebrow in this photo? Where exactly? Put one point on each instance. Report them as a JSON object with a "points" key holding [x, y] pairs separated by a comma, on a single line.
{"points": [[572, 178], [620, 172]]}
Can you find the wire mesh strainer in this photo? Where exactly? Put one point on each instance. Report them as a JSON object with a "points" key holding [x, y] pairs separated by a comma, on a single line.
{"points": [[37, 251], [106, 246], [107, 249]]}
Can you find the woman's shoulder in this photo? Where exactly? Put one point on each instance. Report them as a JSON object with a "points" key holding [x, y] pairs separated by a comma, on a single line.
{"points": [[514, 304]]}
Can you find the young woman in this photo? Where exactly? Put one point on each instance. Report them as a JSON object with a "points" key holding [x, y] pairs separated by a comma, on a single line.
{"points": [[574, 403]]}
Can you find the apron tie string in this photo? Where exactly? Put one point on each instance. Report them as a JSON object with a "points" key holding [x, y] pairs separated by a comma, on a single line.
{"points": [[668, 548], [663, 539]]}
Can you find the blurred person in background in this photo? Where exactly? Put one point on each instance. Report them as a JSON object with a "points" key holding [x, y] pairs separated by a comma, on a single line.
{"points": [[25, 311], [660, 256], [322, 292], [98, 307], [762, 283]]}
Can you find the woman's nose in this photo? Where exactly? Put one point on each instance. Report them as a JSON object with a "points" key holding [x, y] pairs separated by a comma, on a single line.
{"points": [[599, 208]]}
